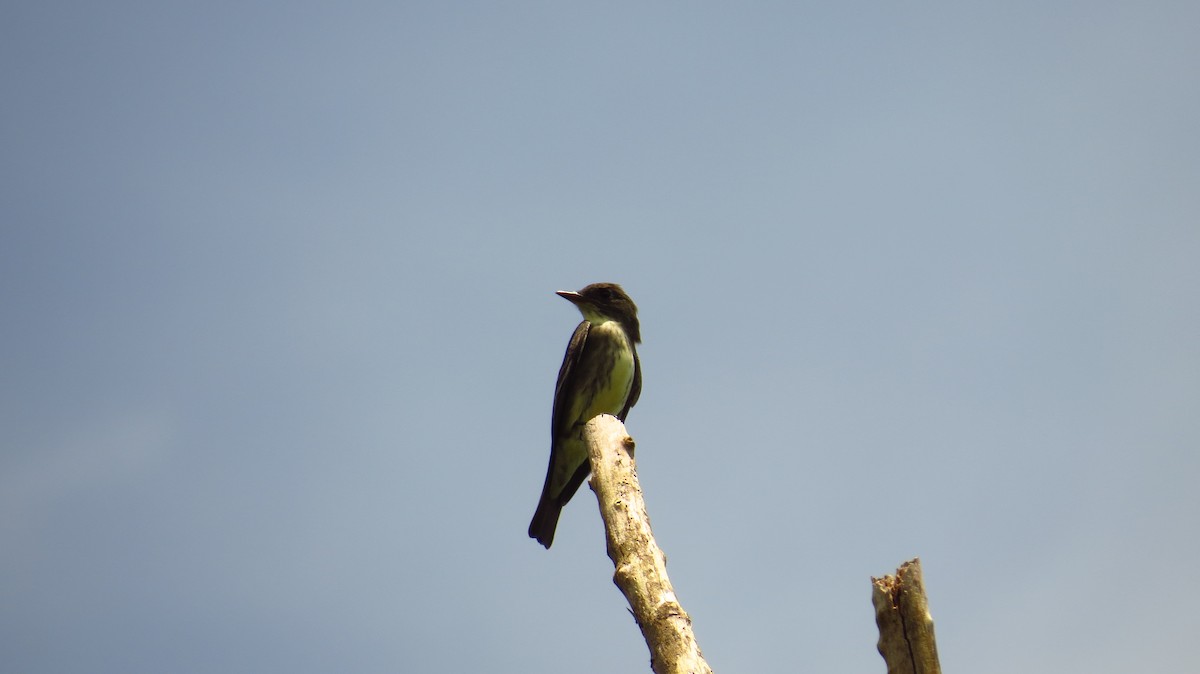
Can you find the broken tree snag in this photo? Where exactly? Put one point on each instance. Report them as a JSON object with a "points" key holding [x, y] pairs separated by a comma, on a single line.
{"points": [[641, 567], [905, 627]]}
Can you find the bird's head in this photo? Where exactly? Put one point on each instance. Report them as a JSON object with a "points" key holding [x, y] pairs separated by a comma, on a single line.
{"points": [[601, 302]]}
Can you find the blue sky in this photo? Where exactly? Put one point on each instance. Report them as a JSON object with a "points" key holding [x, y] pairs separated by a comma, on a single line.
{"points": [[280, 335]]}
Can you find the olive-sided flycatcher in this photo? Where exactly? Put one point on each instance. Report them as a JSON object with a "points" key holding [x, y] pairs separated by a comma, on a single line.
{"points": [[600, 374]]}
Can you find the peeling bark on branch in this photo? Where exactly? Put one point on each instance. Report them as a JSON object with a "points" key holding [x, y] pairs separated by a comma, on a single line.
{"points": [[641, 567]]}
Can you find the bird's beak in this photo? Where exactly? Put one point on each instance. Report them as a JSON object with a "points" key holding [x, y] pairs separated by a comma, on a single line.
{"points": [[570, 295]]}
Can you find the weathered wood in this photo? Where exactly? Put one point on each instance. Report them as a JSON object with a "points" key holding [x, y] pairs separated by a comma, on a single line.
{"points": [[641, 567], [906, 639]]}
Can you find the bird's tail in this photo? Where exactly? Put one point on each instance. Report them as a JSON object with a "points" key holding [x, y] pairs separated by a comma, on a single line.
{"points": [[545, 520]]}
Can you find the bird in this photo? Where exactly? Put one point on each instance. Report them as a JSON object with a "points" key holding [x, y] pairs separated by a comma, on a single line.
{"points": [[600, 374]]}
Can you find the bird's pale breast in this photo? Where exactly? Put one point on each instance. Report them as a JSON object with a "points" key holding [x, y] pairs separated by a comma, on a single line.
{"points": [[610, 359]]}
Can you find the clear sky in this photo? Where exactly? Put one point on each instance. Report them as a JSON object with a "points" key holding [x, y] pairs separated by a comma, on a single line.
{"points": [[279, 333]]}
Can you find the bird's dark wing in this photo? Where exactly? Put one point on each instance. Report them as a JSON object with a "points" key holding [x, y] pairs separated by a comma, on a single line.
{"points": [[635, 388], [545, 519], [559, 424]]}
